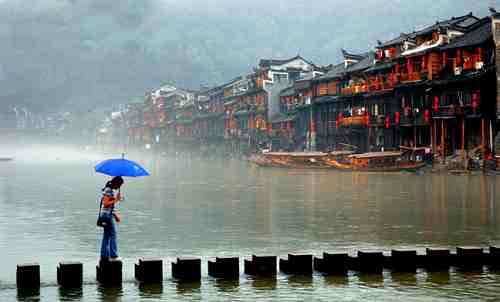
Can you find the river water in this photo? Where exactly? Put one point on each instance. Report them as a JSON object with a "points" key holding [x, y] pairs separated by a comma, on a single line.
{"points": [[201, 207]]}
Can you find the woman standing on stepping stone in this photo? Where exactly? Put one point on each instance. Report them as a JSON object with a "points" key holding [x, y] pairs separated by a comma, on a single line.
{"points": [[107, 217]]}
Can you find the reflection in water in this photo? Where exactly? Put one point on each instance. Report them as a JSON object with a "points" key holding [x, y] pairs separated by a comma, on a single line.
{"points": [[439, 278], [150, 291], [28, 295], [371, 280], [470, 273], [404, 279], [110, 293], [70, 294], [264, 283], [300, 281], [207, 208], [226, 285], [336, 281], [188, 288]]}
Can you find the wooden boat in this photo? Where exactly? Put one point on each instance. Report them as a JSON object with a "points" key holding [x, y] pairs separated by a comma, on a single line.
{"points": [[300, 160], [377, 162]]}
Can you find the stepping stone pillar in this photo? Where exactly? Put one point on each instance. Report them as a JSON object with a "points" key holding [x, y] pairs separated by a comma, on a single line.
{"points": [[332, 264], [261, 266], [297, 264], [187, 269], [403, 260], [494, 256], [470, 257], [437, 259], [70, 274], [370, 262], [228, 268], [28, 276], [109, 272], [149, 270]]}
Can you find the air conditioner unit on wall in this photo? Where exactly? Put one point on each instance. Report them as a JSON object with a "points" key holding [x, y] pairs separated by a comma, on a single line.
{"points": [[458, 70]]}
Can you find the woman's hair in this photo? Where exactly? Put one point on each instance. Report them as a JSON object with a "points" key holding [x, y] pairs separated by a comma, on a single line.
{"points": [[115, 183]]}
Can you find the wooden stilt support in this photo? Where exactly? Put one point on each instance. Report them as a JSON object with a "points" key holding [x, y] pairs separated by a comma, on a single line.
{"points": [[482, 133], [442, 142], [463, 134], [433, 136]]}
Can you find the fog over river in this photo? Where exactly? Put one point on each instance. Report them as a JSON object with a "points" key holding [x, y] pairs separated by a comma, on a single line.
{"points": [[195, 206]]}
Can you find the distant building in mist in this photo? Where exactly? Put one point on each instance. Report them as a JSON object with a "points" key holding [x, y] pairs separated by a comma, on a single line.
{"points": [[8, 119], [434, 89]]}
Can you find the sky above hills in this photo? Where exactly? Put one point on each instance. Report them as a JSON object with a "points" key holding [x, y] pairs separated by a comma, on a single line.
{"points": [[79, 54]]}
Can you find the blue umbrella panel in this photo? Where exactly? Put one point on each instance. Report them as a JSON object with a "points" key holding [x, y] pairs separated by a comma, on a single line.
{"points": [[121, 167]]}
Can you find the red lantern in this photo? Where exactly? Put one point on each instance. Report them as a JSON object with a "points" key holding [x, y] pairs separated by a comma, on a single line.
{"points": [[474, 101], [426, 115], [458, 58], [397, 118], [436, 104], [339, 118], [387, 122], [409, 66]]}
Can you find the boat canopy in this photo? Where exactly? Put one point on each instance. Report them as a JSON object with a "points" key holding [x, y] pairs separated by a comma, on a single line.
{"points": [[297, 154], [376, 154]]}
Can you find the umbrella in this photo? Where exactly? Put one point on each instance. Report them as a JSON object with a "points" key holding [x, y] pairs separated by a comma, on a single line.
{"points": [[121, 167]]}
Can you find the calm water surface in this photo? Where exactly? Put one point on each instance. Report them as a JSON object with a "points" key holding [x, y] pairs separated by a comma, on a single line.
{"points": [[207, 208]]}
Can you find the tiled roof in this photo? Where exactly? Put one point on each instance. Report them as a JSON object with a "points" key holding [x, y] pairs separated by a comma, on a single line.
{"points": [[335, 72], [380, 66], [402, 37], [283, 117], [325, 99], [365, 63], [270, 62], [349, 55], [288, 91], [479, 35], [455, 22], [239, 78]]}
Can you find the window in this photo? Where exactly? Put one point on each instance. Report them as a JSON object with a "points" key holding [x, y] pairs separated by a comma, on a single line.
{"points": [[294, 75], [280, 77], [417, 66]]}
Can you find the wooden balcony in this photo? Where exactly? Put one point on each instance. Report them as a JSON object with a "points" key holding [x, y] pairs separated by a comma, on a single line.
{"points": [[354, 89], [353, 121], [411, 77], [381, 86]]}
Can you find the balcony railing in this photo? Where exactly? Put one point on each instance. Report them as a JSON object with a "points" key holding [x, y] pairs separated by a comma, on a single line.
{"points": [[411, 77], [379, 86], [359, 120], [354, 89]]}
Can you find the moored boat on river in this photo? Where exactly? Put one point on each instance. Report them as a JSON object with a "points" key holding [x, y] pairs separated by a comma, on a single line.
{"points": [[298, 160], [378, 162]]}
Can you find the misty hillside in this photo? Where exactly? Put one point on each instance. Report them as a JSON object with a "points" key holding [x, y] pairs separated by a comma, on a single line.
{"points": [[59, 54]]}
